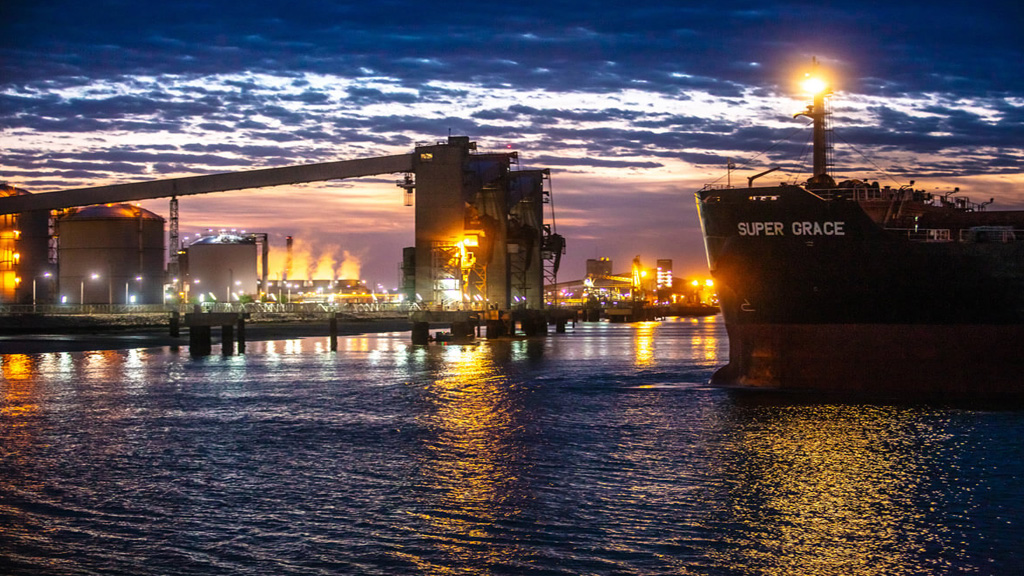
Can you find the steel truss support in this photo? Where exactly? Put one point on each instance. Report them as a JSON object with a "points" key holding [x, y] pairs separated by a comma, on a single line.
{"points": [[446, 265]]}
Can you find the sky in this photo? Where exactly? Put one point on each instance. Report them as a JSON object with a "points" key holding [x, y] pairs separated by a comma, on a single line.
{"points": [[633, 107]]}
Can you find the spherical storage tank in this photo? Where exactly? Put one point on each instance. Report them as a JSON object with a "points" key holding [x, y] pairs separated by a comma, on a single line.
{"points": [[111, 254], [222, 267]]}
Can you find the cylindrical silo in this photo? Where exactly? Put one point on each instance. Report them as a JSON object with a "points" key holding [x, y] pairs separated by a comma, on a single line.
{"points": [[222, 268], [111, 254]]}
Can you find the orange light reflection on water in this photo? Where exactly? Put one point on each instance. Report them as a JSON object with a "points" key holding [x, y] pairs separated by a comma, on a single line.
{"points": [[18, 407], [643, 343], [18, 385], [377, 344], [705, 344], [470, 459], [822, 490]]}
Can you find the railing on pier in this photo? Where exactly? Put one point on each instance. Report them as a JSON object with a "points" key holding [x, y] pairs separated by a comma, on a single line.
{"points": [[85, 309], [257, 309], [254, 309]]}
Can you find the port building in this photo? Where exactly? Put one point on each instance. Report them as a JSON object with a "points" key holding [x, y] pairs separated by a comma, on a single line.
{"points": [[25, 269]]}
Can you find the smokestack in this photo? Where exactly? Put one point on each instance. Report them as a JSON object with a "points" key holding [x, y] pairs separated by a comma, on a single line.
{"points": [[288, 257]]}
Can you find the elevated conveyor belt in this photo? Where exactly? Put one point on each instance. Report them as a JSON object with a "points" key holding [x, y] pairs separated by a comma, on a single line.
{"points": [[206, 184]]}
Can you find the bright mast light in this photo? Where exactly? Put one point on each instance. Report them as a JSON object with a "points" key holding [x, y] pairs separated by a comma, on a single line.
{"points": [[816, 82], [814, 85]]}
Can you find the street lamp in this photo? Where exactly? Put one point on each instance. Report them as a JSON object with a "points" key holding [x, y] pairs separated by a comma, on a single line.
{"points": [[45, 275], [81, 297]]}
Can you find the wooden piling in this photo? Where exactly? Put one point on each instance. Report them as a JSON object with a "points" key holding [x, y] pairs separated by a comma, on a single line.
{"points": [[201, 324], [334, 331], [227, 340], [241, 334], [420, 333], [461, 330], [199, 340]]}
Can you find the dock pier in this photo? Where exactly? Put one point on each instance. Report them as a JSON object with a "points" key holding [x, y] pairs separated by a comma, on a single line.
{"points": [[200, 327], [465, 325]]}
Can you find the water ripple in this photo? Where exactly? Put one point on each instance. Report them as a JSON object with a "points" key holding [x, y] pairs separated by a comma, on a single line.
{"points": [[601, 451]]}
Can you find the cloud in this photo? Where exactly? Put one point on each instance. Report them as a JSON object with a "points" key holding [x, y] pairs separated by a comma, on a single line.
{"points": [[620, 99], [597, 162]]}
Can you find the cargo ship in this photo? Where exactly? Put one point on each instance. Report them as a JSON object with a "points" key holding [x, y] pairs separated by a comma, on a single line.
{"points": [[855, 288]]}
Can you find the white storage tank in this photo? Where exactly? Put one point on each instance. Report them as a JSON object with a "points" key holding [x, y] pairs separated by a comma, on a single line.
{"points": [[111, 254], [221, 268]]}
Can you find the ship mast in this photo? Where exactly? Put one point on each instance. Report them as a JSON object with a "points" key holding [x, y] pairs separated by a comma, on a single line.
{"points": [[819, 113]]}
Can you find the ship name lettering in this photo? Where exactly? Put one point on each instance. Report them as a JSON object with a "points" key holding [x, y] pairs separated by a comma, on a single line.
{"points": [[760, 228], [818, 229]]}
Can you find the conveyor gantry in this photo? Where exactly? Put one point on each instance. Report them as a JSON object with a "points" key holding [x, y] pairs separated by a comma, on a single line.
{"points": [[205, 184]]}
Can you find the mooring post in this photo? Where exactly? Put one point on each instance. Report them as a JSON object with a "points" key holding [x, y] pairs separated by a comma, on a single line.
{"points": [[334, 331], [227, 340], [459, 329], [175, 324], [495, 324], [241, 334], [199, 340], [420, 333]]}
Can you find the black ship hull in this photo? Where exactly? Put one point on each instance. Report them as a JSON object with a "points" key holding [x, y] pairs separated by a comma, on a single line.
{"points": [[818, 295]]}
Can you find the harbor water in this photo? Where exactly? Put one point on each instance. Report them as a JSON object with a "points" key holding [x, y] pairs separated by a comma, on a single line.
{"points": [[597, 451]]}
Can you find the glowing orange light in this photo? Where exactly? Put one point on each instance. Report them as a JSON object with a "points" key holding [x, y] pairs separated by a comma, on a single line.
{"points": [[814, 85]]}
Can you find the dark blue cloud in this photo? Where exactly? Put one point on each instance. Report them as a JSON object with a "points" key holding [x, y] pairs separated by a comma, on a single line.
{"points": [[890, 47]]}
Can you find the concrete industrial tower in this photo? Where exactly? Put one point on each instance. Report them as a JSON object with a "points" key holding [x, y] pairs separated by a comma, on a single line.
{"points": [[481, 241]]}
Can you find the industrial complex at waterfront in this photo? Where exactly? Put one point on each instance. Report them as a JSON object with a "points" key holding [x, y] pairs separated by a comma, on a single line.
{"points": [[484, 240]]}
